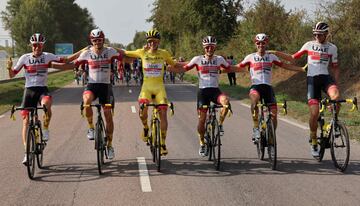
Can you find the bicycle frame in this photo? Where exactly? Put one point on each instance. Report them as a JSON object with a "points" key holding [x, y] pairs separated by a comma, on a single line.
{"points": [[34, 141], [333, 131]]}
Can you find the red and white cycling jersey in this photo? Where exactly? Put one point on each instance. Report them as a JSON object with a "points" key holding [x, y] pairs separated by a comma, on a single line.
{"points": [[36, 68], [260, 67], [319, 57], [208, 69], [99, 65]]}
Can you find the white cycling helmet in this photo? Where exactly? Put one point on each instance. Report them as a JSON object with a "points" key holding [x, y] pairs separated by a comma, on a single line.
{"points": [[96, 33], [37, 38], [261, 38], [321, 28], [209, 40]]}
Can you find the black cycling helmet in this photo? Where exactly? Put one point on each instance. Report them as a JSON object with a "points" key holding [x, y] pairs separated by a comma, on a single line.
{"points": [[152, 34], [209, 40], [321, 28]]}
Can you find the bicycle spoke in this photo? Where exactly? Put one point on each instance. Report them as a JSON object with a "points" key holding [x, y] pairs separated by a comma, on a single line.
{"points": [[340, 146]]}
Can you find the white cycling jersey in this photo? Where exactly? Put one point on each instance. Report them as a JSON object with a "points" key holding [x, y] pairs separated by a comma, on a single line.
{"points": [[36, 68], [319, 57], [260, 67], [99, 65], [208, 69]]}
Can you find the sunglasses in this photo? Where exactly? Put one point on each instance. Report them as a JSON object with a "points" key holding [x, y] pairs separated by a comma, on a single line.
{"points": [[260, 43], [96, 40], [209, 47], [37, 45], [318, 35]]}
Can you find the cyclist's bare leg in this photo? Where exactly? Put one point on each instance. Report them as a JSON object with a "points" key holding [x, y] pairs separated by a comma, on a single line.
{"points": [[201, 125], [109, 124], [223, 100], [274, 110], [88, 97], [25, 127], [163, 123], [314, 115], [334, 94], [254, 99], [143, 114], [46, 100]]}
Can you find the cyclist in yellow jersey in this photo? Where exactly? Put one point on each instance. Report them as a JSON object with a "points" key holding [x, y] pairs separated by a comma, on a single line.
{"points": [[153, 90]]}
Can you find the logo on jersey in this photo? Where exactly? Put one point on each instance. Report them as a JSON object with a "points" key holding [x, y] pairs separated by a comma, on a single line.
{"points": [[320, 49], [40, 60], [96, 57]]}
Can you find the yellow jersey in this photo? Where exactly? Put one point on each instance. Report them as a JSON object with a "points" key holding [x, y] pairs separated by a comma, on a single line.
{"points": [[153, 64]]}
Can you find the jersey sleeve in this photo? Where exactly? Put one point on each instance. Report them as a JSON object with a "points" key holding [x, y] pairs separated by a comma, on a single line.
{"points": [[275, 60], [168, 58], [136, 54], [54, 58], [115, 54], [81, 59], [223, 63], [246, 61], [191, 64], [301, 52], [334, 55], [19, 64]]}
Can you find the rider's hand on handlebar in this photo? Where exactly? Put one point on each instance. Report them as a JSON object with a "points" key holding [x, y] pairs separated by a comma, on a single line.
{"points": [[305, 68]]}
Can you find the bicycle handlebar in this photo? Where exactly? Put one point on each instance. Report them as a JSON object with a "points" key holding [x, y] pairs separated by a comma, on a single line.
{"points": [[215, 106], [170, 104], [326, 101], [14, 109], [283, 105], [98, 106]]}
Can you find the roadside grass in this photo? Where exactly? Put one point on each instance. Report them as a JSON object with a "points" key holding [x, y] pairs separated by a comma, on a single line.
{"points": [[11, 92], [297, 105]]}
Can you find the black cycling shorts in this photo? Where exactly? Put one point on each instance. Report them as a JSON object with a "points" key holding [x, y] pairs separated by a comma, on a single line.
{"points": [[318, 83], [266, 93], [33, 95], [207, 95], [102, 91]]}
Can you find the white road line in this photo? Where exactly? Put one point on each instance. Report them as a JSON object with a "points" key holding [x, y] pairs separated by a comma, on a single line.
{"points": [[130, 91], [284, 120], [1, 116], [144, 175], [133, 109]]}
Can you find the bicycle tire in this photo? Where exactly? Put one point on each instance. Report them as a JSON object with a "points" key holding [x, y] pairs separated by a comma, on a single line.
{"points": [[208, 140], [322, 142], [157, 145], [152, 140], [341, 141], [271, 143], [260, 144], [30, 152], [99, 145], [216, 144], [40, 148]]}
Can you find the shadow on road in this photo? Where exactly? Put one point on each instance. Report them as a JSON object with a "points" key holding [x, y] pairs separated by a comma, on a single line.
{"points": [[81, 172]]}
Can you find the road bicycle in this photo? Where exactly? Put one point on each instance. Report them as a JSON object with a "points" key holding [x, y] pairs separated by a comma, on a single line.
{"points": [[334, 134], [267, 132], [213, 133], [35, 143], [100, 135], [154, 140]]}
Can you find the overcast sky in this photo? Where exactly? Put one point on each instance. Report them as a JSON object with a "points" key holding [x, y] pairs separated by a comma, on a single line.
{"points": [[120, 19]]}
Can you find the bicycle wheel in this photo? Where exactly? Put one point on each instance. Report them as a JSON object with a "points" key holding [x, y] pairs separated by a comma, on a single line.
{"points": [[208, 140], [152, 140], [260, 144], [99, 145], [30, 152], [216, 145], [340, 146], [40, 145], [271, 143], [157, 150]]}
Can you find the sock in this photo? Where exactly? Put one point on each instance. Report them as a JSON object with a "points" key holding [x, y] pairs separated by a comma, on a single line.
{"points": [[90, 122], [46, 121], [163, 136], [313, 137], [110, 138], [255, 121], [201, 139]]}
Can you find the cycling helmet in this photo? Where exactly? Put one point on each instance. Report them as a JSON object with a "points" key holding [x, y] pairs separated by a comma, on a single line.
{"points": [[37, 38], [152, 34], [261, 38], [96, 33], [209, 40], [321, 28]]}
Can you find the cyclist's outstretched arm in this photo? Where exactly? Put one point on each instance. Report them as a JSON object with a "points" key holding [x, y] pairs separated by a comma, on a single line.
{"points": [[74, 56], [62, 66], [239, 67], [283, 55], [9, 64], [178, 67], [293, 67], [336, 72]]}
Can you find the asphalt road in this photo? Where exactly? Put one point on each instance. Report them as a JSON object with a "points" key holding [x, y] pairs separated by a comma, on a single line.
{"points": [[70, 176]]}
